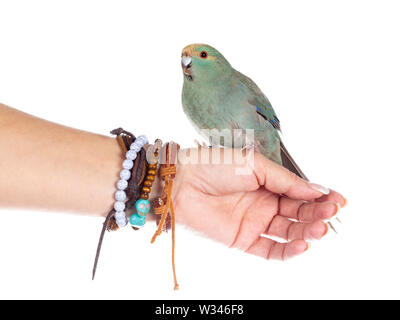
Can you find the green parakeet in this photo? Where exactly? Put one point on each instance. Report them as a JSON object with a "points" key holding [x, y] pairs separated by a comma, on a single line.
{"points": [[216, 96]]}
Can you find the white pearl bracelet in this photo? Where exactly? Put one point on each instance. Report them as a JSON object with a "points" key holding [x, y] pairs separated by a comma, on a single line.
{"points": [[125, 175]]}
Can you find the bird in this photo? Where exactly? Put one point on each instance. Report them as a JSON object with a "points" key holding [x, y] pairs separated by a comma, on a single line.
{"points": [[216, 96]]}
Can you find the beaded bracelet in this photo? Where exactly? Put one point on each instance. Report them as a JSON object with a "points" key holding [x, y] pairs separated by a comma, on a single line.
{"points": [[138, 219], [125, 175], [125, 140]]}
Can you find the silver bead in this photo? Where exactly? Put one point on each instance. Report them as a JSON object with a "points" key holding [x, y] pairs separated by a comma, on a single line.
{"points": [[138, 143], [120, 195], [127, 164], [120, 215], [142, 140], [125, 174], [119, 206], [122, 184], [131, 155], [136, 147], [121, 222], [152, 159], [158, 144]]}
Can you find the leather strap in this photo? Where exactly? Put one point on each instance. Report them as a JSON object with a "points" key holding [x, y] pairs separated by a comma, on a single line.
{"points": [[163, 204]]}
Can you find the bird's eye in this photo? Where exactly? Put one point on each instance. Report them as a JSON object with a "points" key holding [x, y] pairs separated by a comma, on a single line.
{"points": [[203, 54]]}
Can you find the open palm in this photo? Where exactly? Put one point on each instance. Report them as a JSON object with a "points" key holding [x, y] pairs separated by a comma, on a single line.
{"points": [[242, 210]]}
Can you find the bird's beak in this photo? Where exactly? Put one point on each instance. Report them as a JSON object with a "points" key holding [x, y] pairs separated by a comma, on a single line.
{"points": [[186, 64], [186, 61]]}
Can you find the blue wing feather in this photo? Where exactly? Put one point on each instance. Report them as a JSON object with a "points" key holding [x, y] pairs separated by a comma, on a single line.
{"points": [[274, 120], [259, 101]]}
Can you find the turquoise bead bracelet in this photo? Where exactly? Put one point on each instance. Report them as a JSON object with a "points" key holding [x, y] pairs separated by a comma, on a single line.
{"points": [[138, 219], [142, 205]]}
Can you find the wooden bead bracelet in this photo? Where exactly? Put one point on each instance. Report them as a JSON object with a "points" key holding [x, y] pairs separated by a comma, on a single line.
{"points": [[138, 219]]}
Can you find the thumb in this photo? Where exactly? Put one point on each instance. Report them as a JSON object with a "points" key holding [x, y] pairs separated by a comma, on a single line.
{"points": [[278, 179]]}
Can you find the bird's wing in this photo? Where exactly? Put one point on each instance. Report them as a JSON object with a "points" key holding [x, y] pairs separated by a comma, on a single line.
{"points": [[259, 101], [264, 108]]}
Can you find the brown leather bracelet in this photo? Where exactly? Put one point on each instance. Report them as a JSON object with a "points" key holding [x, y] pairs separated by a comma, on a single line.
{"points": [[164, 204]]}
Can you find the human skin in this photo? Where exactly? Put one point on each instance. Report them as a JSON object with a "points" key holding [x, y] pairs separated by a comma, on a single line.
{"points": [[46, 166]]}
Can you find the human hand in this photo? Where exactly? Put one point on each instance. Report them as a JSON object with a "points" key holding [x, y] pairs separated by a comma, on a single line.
{"points": [[238, 209]]}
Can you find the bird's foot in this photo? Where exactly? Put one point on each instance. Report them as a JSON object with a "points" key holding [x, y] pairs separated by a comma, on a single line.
{"points": [[202, 145]]}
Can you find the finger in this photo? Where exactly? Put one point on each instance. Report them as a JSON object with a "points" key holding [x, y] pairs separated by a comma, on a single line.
{"points": [[258, 211], [334, 197], [270, 249], [278, 179], [307, 211], [290, 230]]}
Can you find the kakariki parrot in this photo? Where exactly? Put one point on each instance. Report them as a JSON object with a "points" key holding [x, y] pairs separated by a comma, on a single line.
{"points": [[216, 96]]}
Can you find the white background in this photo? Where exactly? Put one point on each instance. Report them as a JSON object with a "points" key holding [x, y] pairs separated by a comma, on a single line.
{"points": [[331, 70]]}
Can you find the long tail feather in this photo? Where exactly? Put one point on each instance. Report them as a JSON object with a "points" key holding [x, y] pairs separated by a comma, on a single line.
{"points": [[290, 164]]}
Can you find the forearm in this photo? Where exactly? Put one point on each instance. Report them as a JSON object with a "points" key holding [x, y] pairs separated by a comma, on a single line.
{"points": [[48, 166]]}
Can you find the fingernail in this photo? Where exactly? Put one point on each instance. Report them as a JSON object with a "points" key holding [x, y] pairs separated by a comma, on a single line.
{"points": [[308, 246], [337, 214], [345, 203], [320, 188], [334, 214], [326, 230], [338, 206]]}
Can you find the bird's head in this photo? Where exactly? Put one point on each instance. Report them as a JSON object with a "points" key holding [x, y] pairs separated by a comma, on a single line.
{"points": [[201, 62]]}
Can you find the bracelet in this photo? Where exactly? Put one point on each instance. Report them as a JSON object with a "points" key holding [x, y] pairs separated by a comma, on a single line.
{"points": [[163, 204], [125, 140], [125, 175], [142, 205], [134, 187]]}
